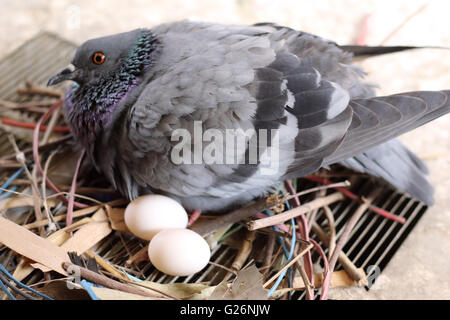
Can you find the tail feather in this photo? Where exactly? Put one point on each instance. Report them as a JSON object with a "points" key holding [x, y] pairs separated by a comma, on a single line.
{"points": [[359, 51], [395, 164], [362, 52], [379, 119]]}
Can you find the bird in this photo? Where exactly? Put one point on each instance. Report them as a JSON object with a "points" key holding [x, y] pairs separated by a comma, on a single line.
{"points": [[132, 91]]}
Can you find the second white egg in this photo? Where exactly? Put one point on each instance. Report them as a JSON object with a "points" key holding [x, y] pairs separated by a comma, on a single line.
{"points": [[179, 252], [147, 215]]}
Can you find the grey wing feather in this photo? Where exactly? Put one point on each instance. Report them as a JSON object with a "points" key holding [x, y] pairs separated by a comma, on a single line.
{"points": [[380, 119], [398, 166]]}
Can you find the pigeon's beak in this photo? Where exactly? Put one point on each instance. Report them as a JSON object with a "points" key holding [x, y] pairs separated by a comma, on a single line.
{"points": [[68, 73]]}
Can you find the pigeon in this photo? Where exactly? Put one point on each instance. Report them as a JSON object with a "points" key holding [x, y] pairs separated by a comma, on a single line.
{"points": [[136, 94]]}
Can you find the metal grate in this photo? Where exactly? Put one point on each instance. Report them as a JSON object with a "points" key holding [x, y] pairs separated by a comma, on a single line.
{"points": [[373, 241]]}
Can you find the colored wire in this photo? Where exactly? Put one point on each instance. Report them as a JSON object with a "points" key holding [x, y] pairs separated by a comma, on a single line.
{"points": [[7, 274], [11, 179], [88, 287], [5, 289], [289, 255], [16, 290], [8, 193]]}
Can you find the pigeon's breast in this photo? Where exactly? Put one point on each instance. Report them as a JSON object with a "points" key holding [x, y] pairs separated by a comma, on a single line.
{"points": [[89, 112]]}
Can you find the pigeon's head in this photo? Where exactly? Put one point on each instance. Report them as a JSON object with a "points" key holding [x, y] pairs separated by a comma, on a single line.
{"points": [[101, 58]]}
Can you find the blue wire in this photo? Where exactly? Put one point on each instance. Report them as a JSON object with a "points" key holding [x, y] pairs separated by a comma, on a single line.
{"points": [[88, 287], [7, 193], [288, 206], [280, 238], [3, 269], [11, 179], [4, 288], [291, 253]]}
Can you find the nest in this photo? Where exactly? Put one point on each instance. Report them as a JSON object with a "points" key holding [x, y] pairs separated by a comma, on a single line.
{"points": [[62, 234]]}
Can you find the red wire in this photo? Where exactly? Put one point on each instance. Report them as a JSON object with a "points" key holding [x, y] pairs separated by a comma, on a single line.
{"points": [[27, 125], [36, 152], [353, 196], [303, 228]]}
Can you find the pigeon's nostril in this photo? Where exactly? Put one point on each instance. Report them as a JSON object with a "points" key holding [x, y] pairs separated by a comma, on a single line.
{"points": [[66, 71], [69, 69]]}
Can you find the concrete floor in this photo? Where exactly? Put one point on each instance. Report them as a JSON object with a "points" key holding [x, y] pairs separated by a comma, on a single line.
{"points": [[421, 268]]}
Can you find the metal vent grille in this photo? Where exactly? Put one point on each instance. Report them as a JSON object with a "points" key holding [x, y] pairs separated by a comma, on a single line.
{"points": [[373, 241]]}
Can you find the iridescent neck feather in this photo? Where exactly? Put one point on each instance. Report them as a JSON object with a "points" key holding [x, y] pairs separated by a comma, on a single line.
{"points": [[89, 108]]}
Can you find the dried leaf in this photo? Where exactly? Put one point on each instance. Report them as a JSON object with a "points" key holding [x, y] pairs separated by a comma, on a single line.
{"points": [[25, 267], [115, 216], [248, 285], [339, 279], [184, 291], [59, 290], [22, 201], [88, 235], [111, 294], [30, 245]]}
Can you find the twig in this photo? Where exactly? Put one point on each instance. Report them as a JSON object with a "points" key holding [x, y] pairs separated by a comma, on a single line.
{"points": [[76, 195], [32, 89], [331, 226], [230, 271], [270, 245], [280, 226], [287, 265], [308, 287], [107, 282], [346, 263], [354, 197], [72, 191], [204, 227], [34, 188], [326, 267], [105, 264], [10, 164], [244, 251], [139, 284], [343, 239], [36, 153], [334, 185], [33, 106], [78, 213], [42, 147], [52, 225], [282, 217], [51, 125], [141, 255]]}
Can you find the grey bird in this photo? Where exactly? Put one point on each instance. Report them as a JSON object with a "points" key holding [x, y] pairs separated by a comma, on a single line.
{"points": [[132, 91]]}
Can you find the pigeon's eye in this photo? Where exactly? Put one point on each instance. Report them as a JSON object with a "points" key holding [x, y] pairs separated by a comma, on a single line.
{"points": [[98, 58]]}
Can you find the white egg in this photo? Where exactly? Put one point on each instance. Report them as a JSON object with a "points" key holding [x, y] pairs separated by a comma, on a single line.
{"points": [[149, 214], [179, 252]]}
